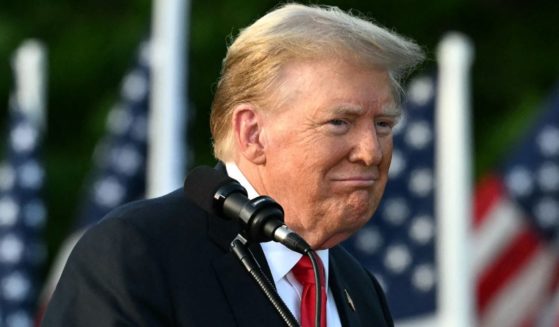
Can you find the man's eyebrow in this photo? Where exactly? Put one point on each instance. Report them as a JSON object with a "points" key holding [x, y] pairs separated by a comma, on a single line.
{"points": [[348, 110], [390, 110]]}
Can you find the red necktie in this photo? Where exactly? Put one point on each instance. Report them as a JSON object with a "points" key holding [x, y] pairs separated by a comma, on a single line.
{"points": [[303, 272]]}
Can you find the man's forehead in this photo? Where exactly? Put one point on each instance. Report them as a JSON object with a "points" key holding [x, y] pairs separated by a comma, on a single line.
{"points": [[332, 80]]}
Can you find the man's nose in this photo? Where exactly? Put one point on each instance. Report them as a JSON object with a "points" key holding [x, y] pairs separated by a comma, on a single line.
{"points": [[367, 149]]}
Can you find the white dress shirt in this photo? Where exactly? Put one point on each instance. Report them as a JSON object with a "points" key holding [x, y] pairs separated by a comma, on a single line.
{"points": [[281, 260]]}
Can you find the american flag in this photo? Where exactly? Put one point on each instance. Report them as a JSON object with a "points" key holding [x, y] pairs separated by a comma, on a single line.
{"points": [[517, 231], [22, 218], [120, 157], [119, 170], [515, 227]]}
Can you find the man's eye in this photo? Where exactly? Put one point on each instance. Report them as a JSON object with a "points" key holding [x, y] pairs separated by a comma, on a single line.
{"points": [[385, 126], [337, 126], [337, 122]]}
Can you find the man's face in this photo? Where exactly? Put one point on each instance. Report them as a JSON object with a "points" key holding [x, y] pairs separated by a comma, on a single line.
{"points": [[328, 147]]}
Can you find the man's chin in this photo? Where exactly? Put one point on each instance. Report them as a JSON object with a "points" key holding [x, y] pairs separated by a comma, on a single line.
{"points": [[332, 241], [360, 211]]}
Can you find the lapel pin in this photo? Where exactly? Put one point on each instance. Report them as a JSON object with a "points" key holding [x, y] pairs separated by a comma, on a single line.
{"points": [[349, 300]]}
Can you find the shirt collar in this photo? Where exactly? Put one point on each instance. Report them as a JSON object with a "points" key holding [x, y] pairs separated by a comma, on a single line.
{"points": [[234, 172], [280, 259]]}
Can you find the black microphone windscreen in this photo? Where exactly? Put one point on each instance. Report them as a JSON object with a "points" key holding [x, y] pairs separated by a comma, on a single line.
{"points": [[201, 185]]}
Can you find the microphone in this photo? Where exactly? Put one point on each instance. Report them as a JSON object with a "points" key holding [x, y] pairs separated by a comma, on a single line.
{"points": [[260, 218]]}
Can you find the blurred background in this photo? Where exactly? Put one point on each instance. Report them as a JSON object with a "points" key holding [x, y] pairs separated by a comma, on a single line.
{"points": [[92, 44]]}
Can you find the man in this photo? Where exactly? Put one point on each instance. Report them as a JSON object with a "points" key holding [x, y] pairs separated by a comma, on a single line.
{"points": [[303, 112]]}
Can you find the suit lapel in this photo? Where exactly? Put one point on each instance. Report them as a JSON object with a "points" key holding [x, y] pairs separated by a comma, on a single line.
{"points": [[248, 303], [342, 295]]}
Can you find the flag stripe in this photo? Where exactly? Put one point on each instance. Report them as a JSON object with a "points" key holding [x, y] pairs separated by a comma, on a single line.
{"points": [[502, 224], [522, 295], [504, 268], [555, 281], [488, 192]]}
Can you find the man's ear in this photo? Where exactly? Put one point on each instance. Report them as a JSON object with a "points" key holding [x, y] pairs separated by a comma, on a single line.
{"points": [[247, 127]]}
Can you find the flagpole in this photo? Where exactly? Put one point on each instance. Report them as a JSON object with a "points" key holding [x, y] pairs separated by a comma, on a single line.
{"points": [[453, 191], [29, 63], [166, 155]]}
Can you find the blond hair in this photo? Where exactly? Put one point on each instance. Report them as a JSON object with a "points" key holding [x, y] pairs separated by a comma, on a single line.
{"points": [[253, 62]]}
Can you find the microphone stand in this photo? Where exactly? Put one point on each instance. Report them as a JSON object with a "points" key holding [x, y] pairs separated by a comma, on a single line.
{"points": [[238, 246], [318, 287]]}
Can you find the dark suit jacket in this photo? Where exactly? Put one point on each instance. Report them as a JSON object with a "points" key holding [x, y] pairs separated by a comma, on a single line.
{"points": [[166, 262]]}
